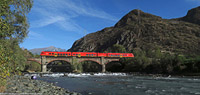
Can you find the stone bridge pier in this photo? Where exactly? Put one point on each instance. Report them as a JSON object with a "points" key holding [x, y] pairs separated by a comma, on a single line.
{"points": [[44, 60]]}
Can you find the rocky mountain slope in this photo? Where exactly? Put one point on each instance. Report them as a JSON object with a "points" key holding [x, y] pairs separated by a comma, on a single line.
{"points": [[140, 30], [39, 50]]}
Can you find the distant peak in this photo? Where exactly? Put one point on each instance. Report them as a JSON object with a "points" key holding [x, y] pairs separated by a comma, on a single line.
{"points": [[137, 12], [51, 47], [135, 16]]}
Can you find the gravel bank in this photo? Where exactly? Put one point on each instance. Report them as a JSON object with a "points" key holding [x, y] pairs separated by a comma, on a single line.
{"points": [[22, 85]]}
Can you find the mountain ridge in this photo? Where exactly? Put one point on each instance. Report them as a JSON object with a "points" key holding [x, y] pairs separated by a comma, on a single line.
{"points": [[140, 30], [50, 48]]}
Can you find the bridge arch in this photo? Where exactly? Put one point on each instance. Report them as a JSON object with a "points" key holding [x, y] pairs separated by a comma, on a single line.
{"points": [[111, 61], [58, 60], [90, 60], [59, 65], [114, 66], [91, 65], [38, 61]]}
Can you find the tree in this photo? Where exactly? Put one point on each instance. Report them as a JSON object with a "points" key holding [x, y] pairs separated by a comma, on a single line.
{"points": [[13, 21], [118, 48], [13, 29]]}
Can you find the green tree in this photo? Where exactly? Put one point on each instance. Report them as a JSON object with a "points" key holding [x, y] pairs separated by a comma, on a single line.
{"points": [[117, 48], [13, 29], [13, 21]]}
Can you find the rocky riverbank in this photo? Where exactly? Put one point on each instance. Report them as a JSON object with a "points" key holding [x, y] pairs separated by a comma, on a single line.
{"points": [[24, 85]]}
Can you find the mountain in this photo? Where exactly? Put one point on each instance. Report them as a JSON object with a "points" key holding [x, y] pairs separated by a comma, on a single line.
{"points": [[39, 50], [140, 30], [192, 16]]}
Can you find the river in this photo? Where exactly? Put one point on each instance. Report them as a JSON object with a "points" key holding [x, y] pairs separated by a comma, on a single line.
{"points": [[124, 84]]}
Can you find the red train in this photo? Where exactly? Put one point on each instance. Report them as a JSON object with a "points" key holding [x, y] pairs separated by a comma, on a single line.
{"points": [[85, 54]]}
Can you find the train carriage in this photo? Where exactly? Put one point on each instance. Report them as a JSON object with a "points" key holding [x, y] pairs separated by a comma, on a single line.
{"points": [[101, 54], [120, 55], [52, 53], [85, 54]]}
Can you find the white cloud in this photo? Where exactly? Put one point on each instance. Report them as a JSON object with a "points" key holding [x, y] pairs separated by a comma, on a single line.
{"points": [[47, 21], [35, 36], [63, 13], [87, 10]]}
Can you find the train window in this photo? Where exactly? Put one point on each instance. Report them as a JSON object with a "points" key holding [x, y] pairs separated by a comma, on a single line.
{"points": [[73, 54], [52, 53], [92, 54], [49, 53], [86, 54], [66, 54], [76, 54], [58, 54]]}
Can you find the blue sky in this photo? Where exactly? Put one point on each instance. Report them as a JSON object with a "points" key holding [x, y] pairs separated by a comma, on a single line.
{"points": [[60, 23]]}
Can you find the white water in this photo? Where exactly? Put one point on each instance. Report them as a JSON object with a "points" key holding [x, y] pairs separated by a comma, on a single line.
{"points": [[76, 74], [123, 84]]}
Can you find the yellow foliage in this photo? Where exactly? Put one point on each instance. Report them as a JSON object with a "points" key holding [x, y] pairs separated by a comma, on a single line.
{"points": [[4, 69]]}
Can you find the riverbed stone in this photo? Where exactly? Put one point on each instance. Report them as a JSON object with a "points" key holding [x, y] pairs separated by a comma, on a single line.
{"points": [[22, 84]]}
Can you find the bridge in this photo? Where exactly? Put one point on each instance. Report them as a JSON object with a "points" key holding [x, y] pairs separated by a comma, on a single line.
{"points": [[45, 60]]}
